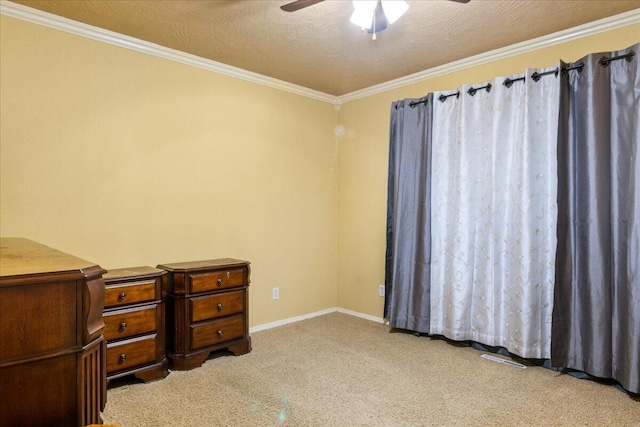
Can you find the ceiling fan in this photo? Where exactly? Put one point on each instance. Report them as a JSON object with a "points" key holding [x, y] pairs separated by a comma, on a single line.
{"points": [[376, 21], [301, 4]]}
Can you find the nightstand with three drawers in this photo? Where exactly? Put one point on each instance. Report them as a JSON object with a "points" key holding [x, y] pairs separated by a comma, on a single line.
{"points": [[207, 310], [134, 317]]}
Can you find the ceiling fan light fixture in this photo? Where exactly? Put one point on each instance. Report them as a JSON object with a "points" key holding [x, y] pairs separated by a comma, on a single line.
{"points": [[374, 15], [363, 11], [394, 9]]}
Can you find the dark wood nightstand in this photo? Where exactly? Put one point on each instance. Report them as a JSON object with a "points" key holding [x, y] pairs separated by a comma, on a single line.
{"points": [[134, 318], [207, 310]]}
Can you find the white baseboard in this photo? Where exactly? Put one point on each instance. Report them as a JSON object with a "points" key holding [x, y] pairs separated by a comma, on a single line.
{"points": [[283, 322], [361, 315], [291, 320]]}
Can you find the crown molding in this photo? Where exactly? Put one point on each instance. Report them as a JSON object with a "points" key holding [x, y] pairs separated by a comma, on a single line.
{"points": [[591, 28], [35, 16], [39, 17]]}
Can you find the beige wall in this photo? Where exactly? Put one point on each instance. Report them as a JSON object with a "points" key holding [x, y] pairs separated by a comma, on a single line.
{"points": [[363, 157], [127, 159]]}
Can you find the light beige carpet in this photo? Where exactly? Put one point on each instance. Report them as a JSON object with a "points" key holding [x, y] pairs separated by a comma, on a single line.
{"points": [[339, 370]]}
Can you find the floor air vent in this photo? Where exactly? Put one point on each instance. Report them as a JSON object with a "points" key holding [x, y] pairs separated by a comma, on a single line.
{"points": [[503, 361]]}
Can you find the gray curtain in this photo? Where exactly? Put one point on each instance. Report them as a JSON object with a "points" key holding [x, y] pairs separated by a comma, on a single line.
{"points": [[596, 315], [407, 278]]}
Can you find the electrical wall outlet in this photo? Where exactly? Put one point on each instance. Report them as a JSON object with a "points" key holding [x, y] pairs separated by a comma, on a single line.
{"points": [[381, 290], [276, 293]]}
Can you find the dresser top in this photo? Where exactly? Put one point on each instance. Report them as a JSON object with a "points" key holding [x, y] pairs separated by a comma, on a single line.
{"points": [[202, 265], [20, 257], [133, 272]]}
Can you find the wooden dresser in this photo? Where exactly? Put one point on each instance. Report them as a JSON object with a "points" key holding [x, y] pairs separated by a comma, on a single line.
{"points": [[207, 310], [52, 352], [134, 317]]}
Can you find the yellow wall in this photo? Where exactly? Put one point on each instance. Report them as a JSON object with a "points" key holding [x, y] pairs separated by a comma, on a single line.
{"points": [[127, 159], [363, 157]]}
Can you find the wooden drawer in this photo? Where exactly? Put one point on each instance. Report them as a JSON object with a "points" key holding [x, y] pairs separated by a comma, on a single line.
{"points": [[130, 293], [218, 305], [220, 279], [131, 353], [128, 323], [216, 331]]}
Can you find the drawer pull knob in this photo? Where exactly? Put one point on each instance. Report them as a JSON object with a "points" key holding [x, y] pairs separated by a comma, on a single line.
{"points": [[123, 326], [219, 334], [219, 282], [122, 296], [220, 307], [123, 357]]}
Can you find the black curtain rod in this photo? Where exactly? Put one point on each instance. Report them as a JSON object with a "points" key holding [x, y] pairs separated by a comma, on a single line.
{"points": [[444, 97], [579, 66], [604, 61], [508, 82], [537, 76], [413, 104], [441, 98], [472, 91]]}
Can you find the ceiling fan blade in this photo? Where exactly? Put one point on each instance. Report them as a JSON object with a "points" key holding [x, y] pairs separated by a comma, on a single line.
{"points": [[461, 1], [299, 4]]}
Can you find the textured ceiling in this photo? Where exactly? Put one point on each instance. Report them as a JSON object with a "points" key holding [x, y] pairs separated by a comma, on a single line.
{"points": [[318, 47]]}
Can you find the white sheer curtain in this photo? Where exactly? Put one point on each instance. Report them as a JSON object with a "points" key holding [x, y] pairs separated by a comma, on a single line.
{"points": [[494, 213]]}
